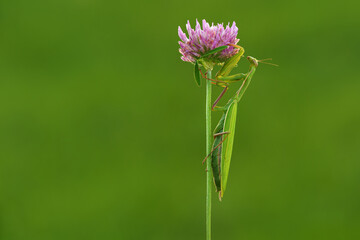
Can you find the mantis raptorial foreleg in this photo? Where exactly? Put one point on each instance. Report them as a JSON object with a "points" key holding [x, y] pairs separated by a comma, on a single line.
{"points": [[223, 78], [214, 107]]}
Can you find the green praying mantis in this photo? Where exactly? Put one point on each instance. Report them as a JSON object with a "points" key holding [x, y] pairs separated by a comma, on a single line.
{"points": [[225, 129]]}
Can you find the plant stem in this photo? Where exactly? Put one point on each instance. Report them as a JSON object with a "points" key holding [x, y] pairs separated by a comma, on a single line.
{"points": [[208, 163]]}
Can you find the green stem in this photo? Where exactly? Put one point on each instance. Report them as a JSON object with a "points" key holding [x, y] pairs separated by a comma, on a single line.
{"points": [[208, 162]]}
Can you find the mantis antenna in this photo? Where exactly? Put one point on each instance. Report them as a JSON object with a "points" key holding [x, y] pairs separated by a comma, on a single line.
{"points": [[268, 59]]}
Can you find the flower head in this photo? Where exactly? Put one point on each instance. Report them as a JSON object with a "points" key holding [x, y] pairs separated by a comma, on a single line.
{"points": [[209, 37]]}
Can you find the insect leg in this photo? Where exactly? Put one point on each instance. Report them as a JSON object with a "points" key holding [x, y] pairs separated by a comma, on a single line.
{"points": [[220, 133], [213, 80], [218, 99], [217, 134]]}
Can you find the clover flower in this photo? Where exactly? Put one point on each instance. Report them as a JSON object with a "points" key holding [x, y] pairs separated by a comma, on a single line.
{"points": [[209, 37]]}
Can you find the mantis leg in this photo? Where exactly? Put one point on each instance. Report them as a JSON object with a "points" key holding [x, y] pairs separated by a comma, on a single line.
{"points": [[219, 97], [222, 80], [229, 79], [217, 108], [215, 81], [216, 135], [220, 133], [232, 78]]}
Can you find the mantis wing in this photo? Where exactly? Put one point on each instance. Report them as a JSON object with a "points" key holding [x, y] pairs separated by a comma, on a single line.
{"points": [[216, 155], [215, 163], [227, 146]]}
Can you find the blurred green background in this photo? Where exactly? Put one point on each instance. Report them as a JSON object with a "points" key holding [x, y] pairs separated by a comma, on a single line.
{"points": [[102, 126]]}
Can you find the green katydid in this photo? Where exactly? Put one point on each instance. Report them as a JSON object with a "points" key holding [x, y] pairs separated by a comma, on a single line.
{"points": [[224, 134]]}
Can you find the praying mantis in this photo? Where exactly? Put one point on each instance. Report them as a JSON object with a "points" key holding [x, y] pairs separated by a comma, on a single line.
{"points": [[224, 133], [225, 129]]}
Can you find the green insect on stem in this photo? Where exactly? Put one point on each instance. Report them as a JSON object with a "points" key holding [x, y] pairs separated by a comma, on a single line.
{"points": [[222, 146]]}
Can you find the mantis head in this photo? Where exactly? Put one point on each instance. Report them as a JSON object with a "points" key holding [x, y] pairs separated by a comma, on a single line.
{"points": [[253, 61]]}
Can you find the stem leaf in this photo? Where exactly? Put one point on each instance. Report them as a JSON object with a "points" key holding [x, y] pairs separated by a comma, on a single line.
{"points": [[197, 74]]}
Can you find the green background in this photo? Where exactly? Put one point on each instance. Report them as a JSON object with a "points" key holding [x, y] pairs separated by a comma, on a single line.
{"points": [[102, 128]]}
